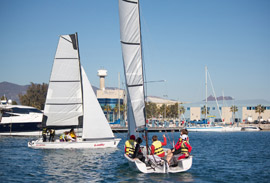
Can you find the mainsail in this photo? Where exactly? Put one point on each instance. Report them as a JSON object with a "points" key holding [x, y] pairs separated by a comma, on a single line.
{"points": [[64, 100], [132, 57]]}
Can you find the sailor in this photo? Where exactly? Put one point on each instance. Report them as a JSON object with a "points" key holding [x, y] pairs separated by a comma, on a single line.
{"points": [[138, 153], [52, 133], [185, 147], [130, 145], [156, 147], [72, 134], [44, 134], [177, 148], [62, 137]]}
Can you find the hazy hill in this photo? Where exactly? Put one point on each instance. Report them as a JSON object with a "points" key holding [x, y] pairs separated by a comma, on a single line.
{"points": [[212, 98], [11, 91]]}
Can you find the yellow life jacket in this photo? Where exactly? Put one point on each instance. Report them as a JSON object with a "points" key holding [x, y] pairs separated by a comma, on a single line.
{"points": [[44, 131], [130, 146], [72, 135], [158, 147], [62, 137], [184, 149], [132, 149]]}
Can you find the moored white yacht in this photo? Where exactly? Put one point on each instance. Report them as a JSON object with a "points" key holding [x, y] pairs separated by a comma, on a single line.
{"points": [[251, 128], [20, 120]]}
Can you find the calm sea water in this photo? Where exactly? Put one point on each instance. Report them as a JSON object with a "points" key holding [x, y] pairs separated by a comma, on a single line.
{"points": [[218, 157]]}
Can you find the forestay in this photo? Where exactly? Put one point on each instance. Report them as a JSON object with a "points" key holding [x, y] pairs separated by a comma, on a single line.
{"points": [[63, 105], [132, 57]]}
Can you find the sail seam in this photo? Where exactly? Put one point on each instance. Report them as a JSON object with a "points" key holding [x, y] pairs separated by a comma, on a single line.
{"points": [[62, 103], [130, 1], [130, 43]]}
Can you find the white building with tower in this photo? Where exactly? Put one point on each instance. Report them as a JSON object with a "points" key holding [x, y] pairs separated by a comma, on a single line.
{"points": [[110, 99]]}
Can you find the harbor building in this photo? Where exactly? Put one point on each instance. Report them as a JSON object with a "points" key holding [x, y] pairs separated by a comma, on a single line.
{"points": [[220, 111], [110, 99]]}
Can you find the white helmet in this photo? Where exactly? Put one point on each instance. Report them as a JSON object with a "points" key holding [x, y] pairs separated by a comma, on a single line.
{"points": [[184, 136]]}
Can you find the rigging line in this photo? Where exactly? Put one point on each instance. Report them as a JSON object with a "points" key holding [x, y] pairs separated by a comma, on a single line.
{"points": [[214, 94]]}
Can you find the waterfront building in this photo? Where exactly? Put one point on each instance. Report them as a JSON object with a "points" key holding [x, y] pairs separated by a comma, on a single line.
{"points": [[110, 99], [220, 111]]}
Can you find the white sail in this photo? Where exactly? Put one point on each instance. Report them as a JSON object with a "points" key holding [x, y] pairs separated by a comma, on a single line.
{"points": [[132, 57], [63, 105], [95, 124]]}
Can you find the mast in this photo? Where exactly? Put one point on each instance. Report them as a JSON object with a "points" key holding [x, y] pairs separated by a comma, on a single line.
{"points": [[206, 93], [80, 124], [145, 129], [119, 95], [130, 34]]}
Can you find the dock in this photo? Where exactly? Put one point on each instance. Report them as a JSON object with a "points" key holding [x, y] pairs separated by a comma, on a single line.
{"points": [[119, 129]]}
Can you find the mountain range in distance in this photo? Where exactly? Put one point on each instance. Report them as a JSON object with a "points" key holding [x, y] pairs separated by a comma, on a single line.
{"points": [[12, 91]]}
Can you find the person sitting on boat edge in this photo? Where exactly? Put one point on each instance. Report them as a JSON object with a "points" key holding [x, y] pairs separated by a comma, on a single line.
{"points": [[63, 137], [137, 153], [185, 147], [72, 134], [177, 148], [130, 145]]}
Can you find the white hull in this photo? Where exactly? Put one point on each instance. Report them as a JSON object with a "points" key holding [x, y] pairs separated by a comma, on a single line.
{"points": [[79, 144], [232, 129], [183, 165], [214, 129], [32, 133], [251, 128], [205, 129]]}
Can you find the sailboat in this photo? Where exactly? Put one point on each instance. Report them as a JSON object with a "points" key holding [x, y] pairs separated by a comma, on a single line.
{"points": [[209, 127], [130, 34], [71, 102]]}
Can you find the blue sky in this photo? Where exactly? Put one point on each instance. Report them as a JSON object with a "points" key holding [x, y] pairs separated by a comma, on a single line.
{"points": [[180, 37]]}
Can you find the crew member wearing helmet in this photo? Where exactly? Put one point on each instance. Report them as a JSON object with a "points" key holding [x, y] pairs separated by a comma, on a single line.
{"points": [[177, 148], [130, 145], [185, 147]]}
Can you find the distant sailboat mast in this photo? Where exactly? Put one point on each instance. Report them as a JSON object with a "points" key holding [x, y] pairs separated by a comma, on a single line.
{"points": [[206, 93]]}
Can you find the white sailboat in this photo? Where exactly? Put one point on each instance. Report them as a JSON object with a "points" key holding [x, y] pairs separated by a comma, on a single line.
{"points": [[133, 66], [210, 127], [71, 102]]}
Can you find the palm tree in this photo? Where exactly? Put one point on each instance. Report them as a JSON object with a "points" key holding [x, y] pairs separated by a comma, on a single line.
{"points": [[204, 111], [116, 111], [181, 111], [259, 109], [108, 109], [234, 109]]}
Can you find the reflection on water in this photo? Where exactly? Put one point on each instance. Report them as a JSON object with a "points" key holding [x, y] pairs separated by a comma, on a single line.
{"points": [[84, 164]]}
